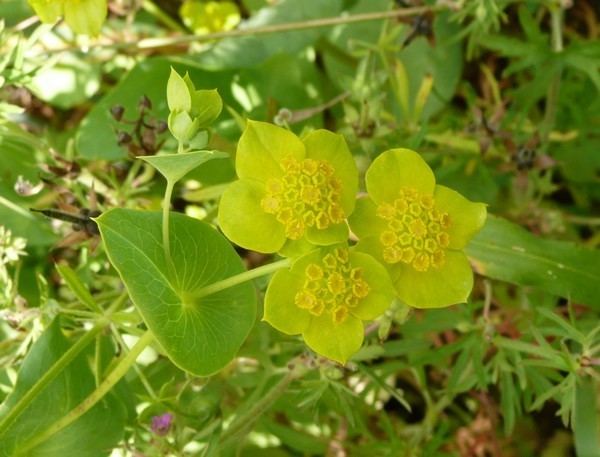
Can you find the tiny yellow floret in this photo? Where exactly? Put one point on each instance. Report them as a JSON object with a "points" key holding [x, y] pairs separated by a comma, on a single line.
{"points": [[333, 286], [416, 232], [307, 195]]}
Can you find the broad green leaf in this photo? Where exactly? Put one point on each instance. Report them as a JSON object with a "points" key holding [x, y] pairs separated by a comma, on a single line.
{"points": [[175, 166], [100, 428], [249, 51], [507, 252], [585, 419], [200, 335], [179, 97]]}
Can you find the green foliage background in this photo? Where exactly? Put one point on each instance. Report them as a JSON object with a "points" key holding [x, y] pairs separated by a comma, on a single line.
{"points": [[502, 99]]}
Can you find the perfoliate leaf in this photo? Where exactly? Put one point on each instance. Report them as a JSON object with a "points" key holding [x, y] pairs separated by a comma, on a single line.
{"points": [[199, 334], [175, 166]]}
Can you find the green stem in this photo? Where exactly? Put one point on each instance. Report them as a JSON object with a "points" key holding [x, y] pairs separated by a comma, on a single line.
{"points": [[242, 277], [165, 223], [163, 17], [243, 422], [206, 193], [49, 375], [115, 376], [154, 43], [60, 364], [554, 87], [137, 369]]}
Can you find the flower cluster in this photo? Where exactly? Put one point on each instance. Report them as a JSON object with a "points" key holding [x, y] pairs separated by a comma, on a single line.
{"points": [[83, 16], [10, 251], [325, 296], [297, 196], [417, 230]]}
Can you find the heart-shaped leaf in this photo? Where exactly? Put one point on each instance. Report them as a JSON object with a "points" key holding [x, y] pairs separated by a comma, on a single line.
{"points": [[200, 335], [176, 166]]}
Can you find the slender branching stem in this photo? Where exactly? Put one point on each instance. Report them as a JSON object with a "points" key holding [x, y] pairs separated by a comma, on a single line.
{"points": [[246, 420], [242, 277]]}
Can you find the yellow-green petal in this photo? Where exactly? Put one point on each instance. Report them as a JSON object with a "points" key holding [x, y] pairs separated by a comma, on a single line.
{"points": [[466, 217], [364, 221], [85, 16], [261, 148], [397, 168], [296, 248], [381, 291], [331, 235], [371, 245], [280, 309], [245, 223], [437, 287], [329, 146], [48, 10], [334, 341]]}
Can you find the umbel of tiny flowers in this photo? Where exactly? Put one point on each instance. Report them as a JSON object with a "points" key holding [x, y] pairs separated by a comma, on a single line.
{"points": [[417, 230], [325, 296], [83, 16], [292, 192]]}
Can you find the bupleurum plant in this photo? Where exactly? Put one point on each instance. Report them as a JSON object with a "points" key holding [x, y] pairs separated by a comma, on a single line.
{"points": [[295, 195]]}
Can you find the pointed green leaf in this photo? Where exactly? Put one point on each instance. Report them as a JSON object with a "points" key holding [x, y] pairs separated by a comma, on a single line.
{"points": [[200, 335], [179, 97], [585, 418], [505, 251], [175, 166], [100, 428], [77, 287]]}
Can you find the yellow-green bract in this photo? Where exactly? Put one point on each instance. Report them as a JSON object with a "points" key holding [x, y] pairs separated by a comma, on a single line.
{"points": [[191, 110], [417, 230], [292, 192], [83, 16], [325, 296]]}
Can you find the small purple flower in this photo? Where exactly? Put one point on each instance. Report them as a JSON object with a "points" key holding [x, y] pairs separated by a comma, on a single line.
{"points": [[161, 424]]}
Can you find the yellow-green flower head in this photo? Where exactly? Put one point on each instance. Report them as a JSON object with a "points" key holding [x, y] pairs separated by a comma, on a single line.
{"points": [[83, 16], [325, 296], [291, 191], [208, 17], [417, 229]]}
